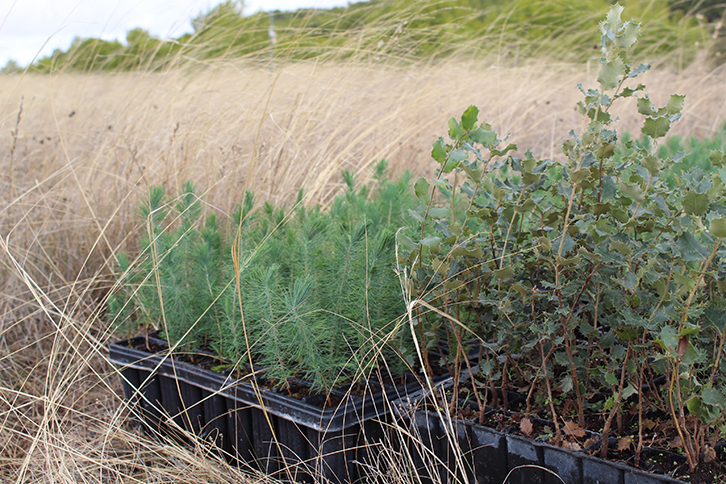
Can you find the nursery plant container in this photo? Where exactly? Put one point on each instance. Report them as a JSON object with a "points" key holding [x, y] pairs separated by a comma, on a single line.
{"points": [[490, 456], [282, 436], [431, 443], [445, 449]]}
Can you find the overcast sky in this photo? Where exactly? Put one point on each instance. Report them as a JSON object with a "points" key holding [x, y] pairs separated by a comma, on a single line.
{"points": [[32, 27]]}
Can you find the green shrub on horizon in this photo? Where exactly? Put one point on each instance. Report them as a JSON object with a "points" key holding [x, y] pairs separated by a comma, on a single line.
{"points": [[390, 31]]}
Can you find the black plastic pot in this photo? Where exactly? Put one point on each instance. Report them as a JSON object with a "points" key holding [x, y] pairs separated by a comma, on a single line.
{"points": [[490, 456], [283, 436], [440, 450], [595, 471], [652, 469]]}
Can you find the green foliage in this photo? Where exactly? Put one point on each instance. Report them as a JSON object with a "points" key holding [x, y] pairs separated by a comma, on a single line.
{"points": [[11, 67], [310, 294], [176, 281], [686, 153], [581, 268], [392, 31], [711, 10]]}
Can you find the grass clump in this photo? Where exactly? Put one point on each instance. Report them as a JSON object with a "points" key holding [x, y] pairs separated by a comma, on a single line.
{"points": [[306, 293]]}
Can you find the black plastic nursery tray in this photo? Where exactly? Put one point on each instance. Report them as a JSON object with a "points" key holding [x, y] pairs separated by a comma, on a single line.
{"points": [[450, 449], [280, 435]]}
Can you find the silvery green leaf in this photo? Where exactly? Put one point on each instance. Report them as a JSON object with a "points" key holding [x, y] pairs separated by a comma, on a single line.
{"points": [[466, 188], [713, 397], [431, 241], [715, 317], [614, 23], [610, 379], [438, 152], [645, 106], [675, 104], [439, 212], [629, 391], [579, 176], [564, 190], [567, 385], [457, 155], [652, 164], [621, 247], [421, 188], [609, 188], [415, 214], [691, 249], [455, 131], [695, 203], [450, 165], [629, 35], [717, 158], [510, 146], [629, 281], [469, 118], [610, 74], [633, 191], [567, 245], [656, 127], [405, 241], [718, 228], [484, 137], [639, 70], [503, 273]]}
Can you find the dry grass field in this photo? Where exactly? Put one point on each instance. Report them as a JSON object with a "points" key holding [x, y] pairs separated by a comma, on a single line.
{"points": [[77, 151]]}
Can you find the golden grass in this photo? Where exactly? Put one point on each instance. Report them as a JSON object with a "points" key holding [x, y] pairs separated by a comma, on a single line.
{"points": [[88, 146]]}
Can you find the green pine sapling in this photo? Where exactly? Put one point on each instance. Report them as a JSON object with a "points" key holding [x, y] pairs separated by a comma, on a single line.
{"points": [[307, 294]]}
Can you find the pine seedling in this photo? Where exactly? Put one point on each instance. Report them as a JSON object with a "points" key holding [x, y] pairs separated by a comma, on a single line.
{"points": [[304, 335], [265, 310], [309, 294]]}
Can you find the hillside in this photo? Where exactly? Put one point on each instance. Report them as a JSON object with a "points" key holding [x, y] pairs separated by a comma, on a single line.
{"points": [[400, 31]]}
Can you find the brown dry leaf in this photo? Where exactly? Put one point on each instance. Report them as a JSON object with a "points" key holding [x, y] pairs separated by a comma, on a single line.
{"points": [[589, 442], [571, 428], [624, 443], [677, 442], [526, 426], [682, 345], [649, 424], [709, 455], [573, 446]]}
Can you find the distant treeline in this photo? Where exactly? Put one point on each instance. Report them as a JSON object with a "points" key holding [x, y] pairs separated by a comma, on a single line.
{"points": [[403, 31]]}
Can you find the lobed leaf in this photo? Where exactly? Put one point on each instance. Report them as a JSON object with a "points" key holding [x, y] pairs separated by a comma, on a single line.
{"points": [[438, 152], [610, 73], [718, 228], [469, 118], [695, 203], [656, 127]]}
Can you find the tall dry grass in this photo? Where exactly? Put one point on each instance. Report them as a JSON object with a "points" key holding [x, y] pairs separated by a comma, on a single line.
{"points": [[85, 147]]}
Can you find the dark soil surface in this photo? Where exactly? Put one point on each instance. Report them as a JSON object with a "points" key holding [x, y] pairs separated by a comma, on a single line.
{"points": [[295, 388]]}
